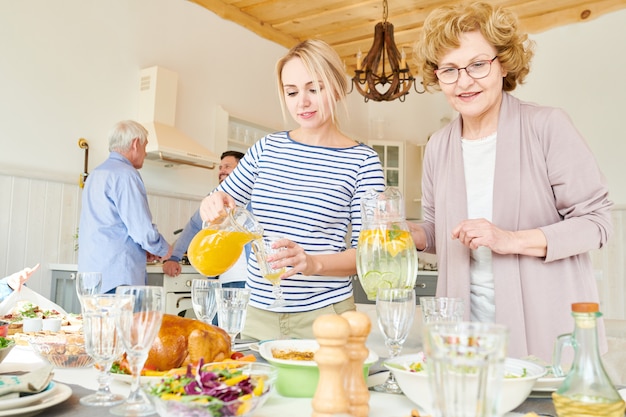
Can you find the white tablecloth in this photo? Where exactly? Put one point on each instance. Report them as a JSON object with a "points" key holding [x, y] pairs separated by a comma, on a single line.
{"points": [[22, 358]]}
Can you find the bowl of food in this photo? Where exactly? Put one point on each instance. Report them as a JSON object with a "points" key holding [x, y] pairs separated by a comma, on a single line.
{"points": [[5, 347], [519, 378], [223, 389], [63, 350], [298, 373], [4, 328]]}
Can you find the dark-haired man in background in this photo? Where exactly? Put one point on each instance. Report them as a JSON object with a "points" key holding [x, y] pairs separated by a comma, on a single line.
{"points": [[236, 275]]}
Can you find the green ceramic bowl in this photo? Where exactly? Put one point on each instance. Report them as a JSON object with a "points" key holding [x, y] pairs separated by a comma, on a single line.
{"points": [[298, 378]]}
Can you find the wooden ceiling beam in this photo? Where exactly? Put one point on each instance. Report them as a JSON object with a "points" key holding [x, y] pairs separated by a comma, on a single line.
{"points": [[235, 15]]}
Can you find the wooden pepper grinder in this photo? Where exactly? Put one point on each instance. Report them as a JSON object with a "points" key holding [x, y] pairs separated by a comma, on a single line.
{"points": [[355, 385], [331, 332]]}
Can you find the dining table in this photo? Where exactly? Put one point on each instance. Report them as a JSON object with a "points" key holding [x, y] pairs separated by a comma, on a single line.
{"points": [[83, 381]]}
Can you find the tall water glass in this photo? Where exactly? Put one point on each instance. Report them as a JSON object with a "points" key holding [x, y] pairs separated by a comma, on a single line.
{"points": [[465, 363], [203, 298], [88, 283], [138, 325], [263, 248], [231, 310], [102, 342], [395, 309], [441, 309]]}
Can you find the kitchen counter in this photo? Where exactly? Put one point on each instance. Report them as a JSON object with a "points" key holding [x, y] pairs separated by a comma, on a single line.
{"points": [[152, 268]]}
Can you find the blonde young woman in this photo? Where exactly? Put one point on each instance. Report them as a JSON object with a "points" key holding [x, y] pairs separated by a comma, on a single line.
{"points": [[513, 199], [305, 184]]}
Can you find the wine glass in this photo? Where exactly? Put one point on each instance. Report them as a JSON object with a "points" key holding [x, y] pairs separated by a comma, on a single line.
{"points": [[138, 325], [203, 298], [262, 249], [231, 310], [395, 309], [88, 283], [102, 342]]}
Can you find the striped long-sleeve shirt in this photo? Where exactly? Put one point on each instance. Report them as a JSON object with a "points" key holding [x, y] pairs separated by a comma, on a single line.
{"points": [[310, 195]]}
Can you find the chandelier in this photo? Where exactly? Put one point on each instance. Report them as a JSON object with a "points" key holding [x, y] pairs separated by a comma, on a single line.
{"points": [[384, 74]]}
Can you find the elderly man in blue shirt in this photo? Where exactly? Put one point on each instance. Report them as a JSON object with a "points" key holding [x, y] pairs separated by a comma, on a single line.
{"points": [[116, 233]]}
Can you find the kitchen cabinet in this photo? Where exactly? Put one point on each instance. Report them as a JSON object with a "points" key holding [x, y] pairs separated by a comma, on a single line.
{"points": [[402, 165], [236, 134], [63, 287]]}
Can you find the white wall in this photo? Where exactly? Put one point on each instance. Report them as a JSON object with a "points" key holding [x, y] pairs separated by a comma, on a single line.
{"points": [[581, 69], [70, 69]]}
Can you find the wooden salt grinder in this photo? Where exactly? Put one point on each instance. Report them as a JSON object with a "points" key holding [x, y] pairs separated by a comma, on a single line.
{"points": [[355, 385], [331, 332]]}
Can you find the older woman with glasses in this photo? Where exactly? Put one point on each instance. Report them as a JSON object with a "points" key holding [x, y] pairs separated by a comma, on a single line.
{"points": [[513, 199]]}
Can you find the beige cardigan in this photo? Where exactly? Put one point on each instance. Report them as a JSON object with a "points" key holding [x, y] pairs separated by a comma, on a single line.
{"points": [[546, 177]]}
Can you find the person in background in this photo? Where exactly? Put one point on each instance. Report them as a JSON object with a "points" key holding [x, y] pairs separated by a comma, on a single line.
{"points": [[513, 199], [15, 281], [117, 235], [236, 275], [305, 184]]}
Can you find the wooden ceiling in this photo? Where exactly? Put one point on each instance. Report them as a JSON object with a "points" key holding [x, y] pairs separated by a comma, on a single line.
{"points": [[348, 25]]}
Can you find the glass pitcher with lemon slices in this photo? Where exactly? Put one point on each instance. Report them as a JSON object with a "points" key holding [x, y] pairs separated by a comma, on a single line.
{"points": [[385, 255], [217, 247]]}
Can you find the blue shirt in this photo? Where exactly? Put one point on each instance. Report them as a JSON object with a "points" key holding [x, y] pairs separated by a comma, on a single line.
{"points": [[5, 290], [116, 228]]}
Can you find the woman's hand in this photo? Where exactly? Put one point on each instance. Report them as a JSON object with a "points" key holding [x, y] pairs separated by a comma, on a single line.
{"points": [[418, 235], [214, 205], [291, 256], [18, 279], [475, 233], [298, 261]]}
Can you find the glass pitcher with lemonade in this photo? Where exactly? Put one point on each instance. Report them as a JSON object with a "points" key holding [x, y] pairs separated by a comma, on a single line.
{"points": [[216, 247], [385, 255]]}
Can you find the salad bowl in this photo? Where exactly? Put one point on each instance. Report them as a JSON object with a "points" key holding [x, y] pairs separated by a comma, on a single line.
{"points": [[219, 389], [519, 378]]}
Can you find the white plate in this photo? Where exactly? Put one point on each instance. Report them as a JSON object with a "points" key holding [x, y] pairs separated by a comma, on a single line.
{"points": [[58, 394], [27, 399], [548, 384], [142, 380], [302, 345]]}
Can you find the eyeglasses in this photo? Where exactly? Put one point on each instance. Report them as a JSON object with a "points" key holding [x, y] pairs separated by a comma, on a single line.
{"points": [[476, 70]]}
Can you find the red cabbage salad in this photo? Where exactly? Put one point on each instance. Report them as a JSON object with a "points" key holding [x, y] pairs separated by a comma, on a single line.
{"points": [[223, 388]]}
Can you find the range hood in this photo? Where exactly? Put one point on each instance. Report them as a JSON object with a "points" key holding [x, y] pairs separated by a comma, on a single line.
{"points": [[157, 110]]}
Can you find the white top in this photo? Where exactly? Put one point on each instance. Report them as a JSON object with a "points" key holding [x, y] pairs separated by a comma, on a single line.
{"points": [[237, 272], [479, 160]]}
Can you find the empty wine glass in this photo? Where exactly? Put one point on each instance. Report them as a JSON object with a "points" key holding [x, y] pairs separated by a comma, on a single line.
{"points": [[88, 283], [395, 309], [203, 298], [138, 326], [262, 249], [102, 342], [231, 310]]}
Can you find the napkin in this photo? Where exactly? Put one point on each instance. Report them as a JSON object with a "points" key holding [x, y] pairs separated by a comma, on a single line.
{"points": [[31, 383]]}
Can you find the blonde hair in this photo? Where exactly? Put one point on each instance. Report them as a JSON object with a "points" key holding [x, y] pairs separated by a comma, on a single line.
{"points": [[445, 25], [324, 65]]}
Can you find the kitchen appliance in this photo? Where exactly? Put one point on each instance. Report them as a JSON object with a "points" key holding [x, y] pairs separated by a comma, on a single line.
{"points": [[177, 290], [157, 108]]}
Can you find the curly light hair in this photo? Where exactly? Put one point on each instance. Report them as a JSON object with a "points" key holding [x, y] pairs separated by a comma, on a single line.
{"points": [[324, 65], [445, 25]]}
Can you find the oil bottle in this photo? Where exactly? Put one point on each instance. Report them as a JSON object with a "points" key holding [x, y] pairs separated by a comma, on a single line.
{"points": [[587, 391]]}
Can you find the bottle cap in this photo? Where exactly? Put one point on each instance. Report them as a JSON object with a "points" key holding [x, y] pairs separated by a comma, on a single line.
{"points": [[585, 307]]}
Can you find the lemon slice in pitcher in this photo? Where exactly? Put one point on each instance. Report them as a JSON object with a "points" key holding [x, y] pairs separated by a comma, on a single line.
{"points": [[373, 280]]}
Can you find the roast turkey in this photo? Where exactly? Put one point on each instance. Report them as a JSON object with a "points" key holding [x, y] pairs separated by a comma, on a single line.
{"points": [[182, 341]]}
